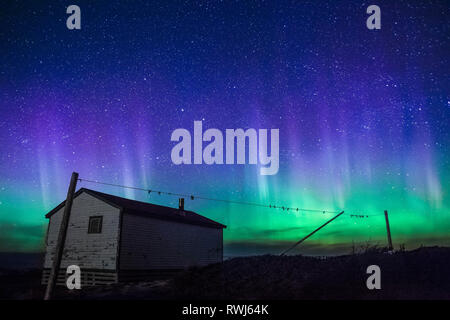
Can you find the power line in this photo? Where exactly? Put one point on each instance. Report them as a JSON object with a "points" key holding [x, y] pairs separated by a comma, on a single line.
{"points": [[194, 196], [362, 216]]}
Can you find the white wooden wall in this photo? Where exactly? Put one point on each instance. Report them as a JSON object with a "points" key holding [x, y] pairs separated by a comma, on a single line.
{"points": [[87, 250], [149, 243]]}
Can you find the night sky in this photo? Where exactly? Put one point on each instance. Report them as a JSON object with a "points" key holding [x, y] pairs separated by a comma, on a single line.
{"points": [[363, 114]]}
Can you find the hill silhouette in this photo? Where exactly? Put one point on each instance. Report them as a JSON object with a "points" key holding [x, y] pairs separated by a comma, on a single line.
{"points": [[419, 274]]}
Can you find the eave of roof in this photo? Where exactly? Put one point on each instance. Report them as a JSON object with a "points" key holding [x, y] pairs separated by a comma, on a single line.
{"points": [[145, 209]]}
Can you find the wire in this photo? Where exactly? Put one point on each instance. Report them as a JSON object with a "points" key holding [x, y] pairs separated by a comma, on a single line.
{"points": [[192, 197]]}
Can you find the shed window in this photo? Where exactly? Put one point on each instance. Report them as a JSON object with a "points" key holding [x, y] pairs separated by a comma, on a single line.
{"points": [[95, 224]]}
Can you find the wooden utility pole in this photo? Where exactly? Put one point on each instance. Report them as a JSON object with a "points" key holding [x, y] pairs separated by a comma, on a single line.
{"points": [[309, 235], [61, 238], [388, 231]]}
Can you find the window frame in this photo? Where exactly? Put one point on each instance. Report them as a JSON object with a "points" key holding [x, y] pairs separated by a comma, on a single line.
{"points": [[100, 224]]}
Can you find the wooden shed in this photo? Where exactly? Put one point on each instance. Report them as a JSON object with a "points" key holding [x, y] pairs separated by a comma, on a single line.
{"points": [[114, 239]]}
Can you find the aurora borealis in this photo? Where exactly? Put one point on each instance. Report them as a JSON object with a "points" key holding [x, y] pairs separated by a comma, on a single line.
{"points": [[363, 115]]}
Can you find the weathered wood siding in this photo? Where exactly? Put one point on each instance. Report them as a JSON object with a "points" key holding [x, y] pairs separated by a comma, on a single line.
{"points": [[148, 243], [87, 250]]}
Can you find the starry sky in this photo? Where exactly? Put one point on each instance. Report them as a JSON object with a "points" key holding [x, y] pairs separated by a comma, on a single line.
{"points": [[363, 114]]}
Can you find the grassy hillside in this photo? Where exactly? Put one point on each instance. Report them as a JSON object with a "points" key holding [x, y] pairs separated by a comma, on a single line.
{"points": [[420, 274]]}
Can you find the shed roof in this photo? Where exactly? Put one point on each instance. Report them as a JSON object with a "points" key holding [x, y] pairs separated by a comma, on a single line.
{"points": [[146, 209]]}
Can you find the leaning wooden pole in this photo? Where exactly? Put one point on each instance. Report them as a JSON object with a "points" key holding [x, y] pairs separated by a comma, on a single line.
{"points": [[309, 235], [388, 230], [61, 238]]}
